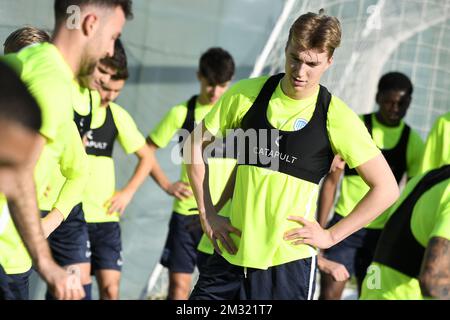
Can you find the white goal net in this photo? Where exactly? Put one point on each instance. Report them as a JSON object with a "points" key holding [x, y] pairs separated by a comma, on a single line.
{"points": [[410, 36]]}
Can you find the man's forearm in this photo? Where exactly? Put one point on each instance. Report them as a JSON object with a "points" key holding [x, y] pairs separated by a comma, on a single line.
{"points": [[434, 278], [141, 172], [159, 176], [207, 199], [196, 166], [383, 192], [375, 202], [25, 214], [327, 195], [326, 201], [196, 173], [52, 221], [157, 172]]}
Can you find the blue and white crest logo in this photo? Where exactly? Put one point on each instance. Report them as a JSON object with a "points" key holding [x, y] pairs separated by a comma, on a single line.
{"points": [[299, 124]]}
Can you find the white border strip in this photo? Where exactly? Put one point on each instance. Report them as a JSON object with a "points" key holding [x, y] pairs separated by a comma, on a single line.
{"points": [[311, 277]]}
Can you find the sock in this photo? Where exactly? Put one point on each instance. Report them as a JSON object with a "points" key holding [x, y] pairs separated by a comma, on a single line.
{"points": [[87, 291]]}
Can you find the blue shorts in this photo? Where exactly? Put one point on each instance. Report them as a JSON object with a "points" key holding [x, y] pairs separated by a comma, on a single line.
{"points": [[221, 280], [356, 251], [70, 241], [180, 251], [106, 246], [14, 286], [202, 259], [5, 293]]}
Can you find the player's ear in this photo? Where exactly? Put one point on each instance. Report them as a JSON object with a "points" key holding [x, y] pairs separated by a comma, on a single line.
{"points": [[329, 63], [89, 24], [331, 60], [378, 97]]}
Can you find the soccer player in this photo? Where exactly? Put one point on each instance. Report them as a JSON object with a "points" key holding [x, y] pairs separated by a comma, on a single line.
{"points": [[403, 150], [102, 204], [412, 259], [292, 126], [24, 37], [437, 149], [49, 69], [216, 69], [20, 121]]}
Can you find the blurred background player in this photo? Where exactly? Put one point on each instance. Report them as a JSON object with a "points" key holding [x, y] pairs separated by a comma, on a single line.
{"points": [[102, 204], [180, 255], [20, 121], [48, 69], [402, 148], [72, 159], [412, 259], [24, 37]]}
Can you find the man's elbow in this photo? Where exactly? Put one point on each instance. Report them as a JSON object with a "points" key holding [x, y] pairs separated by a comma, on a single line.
{"points": [[393, 194], [426, 286], [390, 190], [146, 154]]}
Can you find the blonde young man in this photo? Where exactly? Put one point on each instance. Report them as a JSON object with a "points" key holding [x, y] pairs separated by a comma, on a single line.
{"points": [[293, 127]]}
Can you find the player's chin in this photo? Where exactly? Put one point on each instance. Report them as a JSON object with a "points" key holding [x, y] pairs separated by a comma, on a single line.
{"points": [[394, 120]]}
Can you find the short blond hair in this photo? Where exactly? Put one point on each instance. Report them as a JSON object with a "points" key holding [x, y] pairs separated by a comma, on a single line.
{"points": [[316, 31], [23, 37]]}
